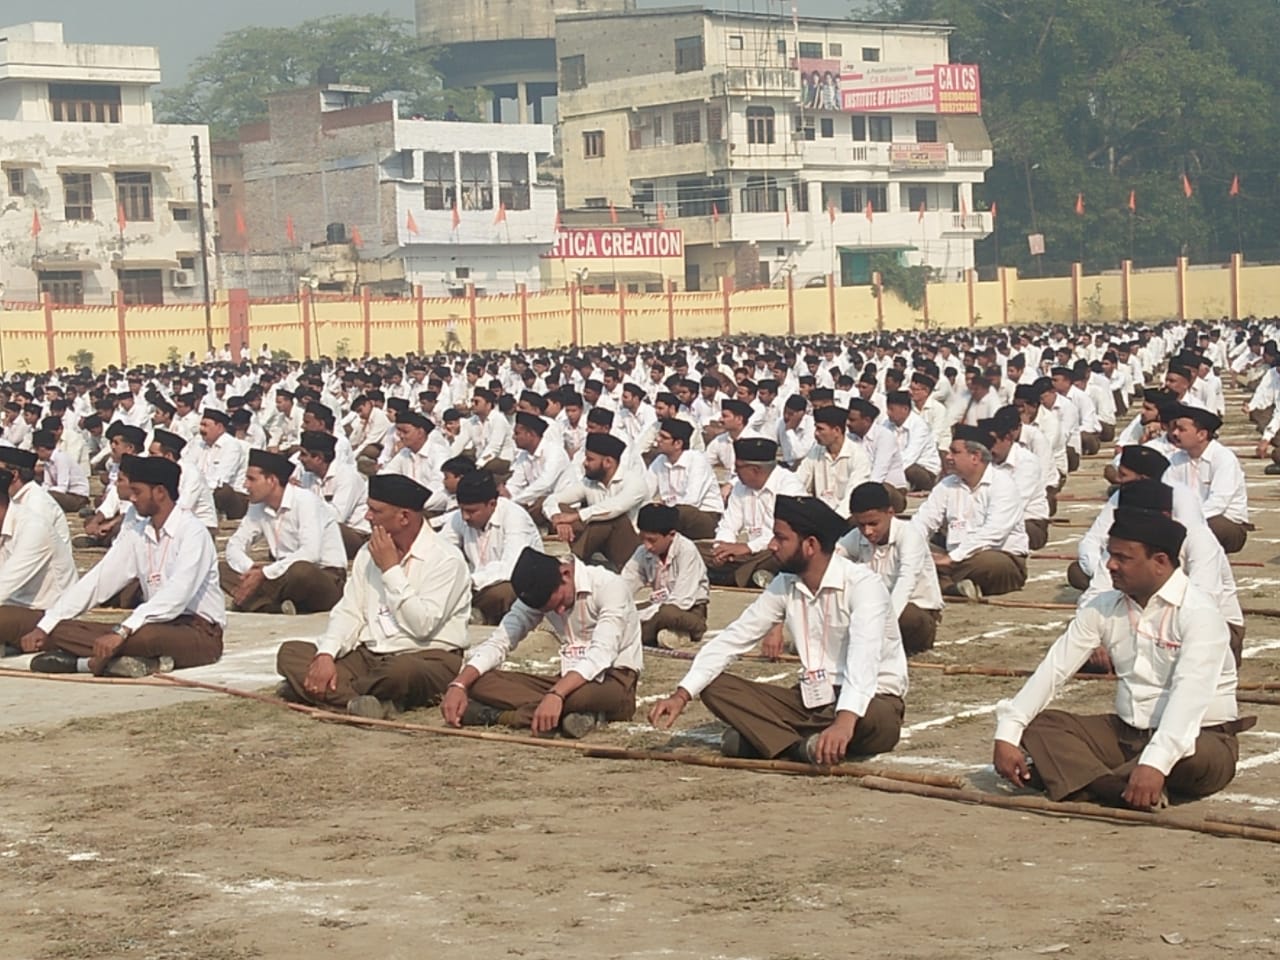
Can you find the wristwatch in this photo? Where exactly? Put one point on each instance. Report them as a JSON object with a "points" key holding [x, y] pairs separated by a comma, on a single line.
{"points": [[121, 631]]}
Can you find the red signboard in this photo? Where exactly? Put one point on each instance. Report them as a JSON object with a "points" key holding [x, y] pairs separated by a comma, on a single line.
{"points": [[605, 244], [875, 88]]}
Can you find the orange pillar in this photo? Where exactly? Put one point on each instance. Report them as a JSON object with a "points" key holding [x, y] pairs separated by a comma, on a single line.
{"points": [[1181, 278], [622, 312], [366, 317], [1075, 293], [831, 301], [522, 290], [1126, 278], [422, 333], [471, 313], [1004, 294], [1236, 311], [121, 335], [671, 309], [573, 313], [877, 284], [971, 278], [238, 324], [305, 297], [791, 303], [924, 306], [726, 291], [48, 329]]}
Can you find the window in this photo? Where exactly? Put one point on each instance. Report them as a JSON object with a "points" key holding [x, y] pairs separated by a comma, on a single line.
{"points": [[917, 197], [133, 193], [800, 196], [635, 138], [186, 263], [760, 125], [782, 47], [835, 49], [761, 195], [687, 125], [735, 41], [477, 182], [657, 128], [224, 189], [827, 127], [715, 125], [695, 197], [77, 193], [804, 127], [84, 102], [181, 214], [858, 128], [642, 193], [871, 54], [513, 180], [880, 129], [62, 286], [596, 203], [17, 182], [437, 172], [142, 286], [573, 72], [688, 54], [810, 50], [592, 143], [407, 170], [853, 199], [926, 131]]}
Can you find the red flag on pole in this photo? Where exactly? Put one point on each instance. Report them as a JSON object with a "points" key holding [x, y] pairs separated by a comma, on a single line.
{"points": [[121, 220], [1133, 201], [613, 214], [35, 223], [920, 213], [1186, 187], [870, 212], [457, 217], [786, 211], [357, 241], [715, 213], [964, 206], [1079, 204], [289, 232], [555, 226], [410, 224], [662, 214], [993, 210], [241, 228], [831, 210], [1235, 186], [501, 215]]}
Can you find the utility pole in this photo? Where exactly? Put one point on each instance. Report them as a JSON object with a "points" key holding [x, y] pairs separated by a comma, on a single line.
{"points": [[204, 242]]}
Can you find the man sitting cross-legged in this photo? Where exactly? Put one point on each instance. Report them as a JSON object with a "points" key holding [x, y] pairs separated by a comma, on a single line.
{"points": [[669, 565], [491, 532], [36, 566], [853, 670], [1175, 725], [591, 612], [895, 550], [603, 505], [173, 558], [397, 635]]}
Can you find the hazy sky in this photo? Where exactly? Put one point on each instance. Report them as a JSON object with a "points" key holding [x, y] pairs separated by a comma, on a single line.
{"points": [[184, 31]]}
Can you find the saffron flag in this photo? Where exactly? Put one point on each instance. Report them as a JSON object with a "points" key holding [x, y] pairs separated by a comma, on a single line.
{"points": [[613, 214], [1235, 186], [357, 241], [786, 212], [35, 223], [555, 226], [241, 228], [121, 220], [964, 207], [870, 212], [1133, 201], [993, 210], [920, 213], [1079, 204], [410, 224], [831, 210], [501, 215], [457, 217], [662, 214], [715, 213], [289, 232], [1186, 187]]}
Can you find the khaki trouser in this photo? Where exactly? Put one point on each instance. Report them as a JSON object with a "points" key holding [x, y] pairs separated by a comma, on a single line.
{"points": [[1073, 462], [231, 503], [494, 601], [919, 478], [670, 617], [1107, 433], [736, 573], [15, 622], [1236, 631], [518, 695], [616, 539], [1094, 755], [1076, 576], [1261, 417], [696, 524], [1230, 534], [312, 588], [69, 502], [994, 571], [352, 540], [919, 628], [1037, 532], [415, 678], [191, 641], [897, 498], [1089, 444], [774, 719]]}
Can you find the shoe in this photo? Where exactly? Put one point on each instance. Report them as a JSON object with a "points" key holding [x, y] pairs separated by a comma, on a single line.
{"points": [[8, 651], [575, 726], [53, 661], [674, 639], [967, 588], [369, 707], [84, 542], [1272, 469], [733, 744], [134, 668], [480, 715], [289, 608], [762, 579]]}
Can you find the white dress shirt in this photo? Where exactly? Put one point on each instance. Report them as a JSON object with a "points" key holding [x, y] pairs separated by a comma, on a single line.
{"points": [[176, 567], [491, 553], [883, 454], [904, 564], [601, 629], [196, 498], [223, 462], [988, 517], [346, 491], [916, 443], [678, 579], [1091, 552], [1022, 467], [422, 603], [690, 481], [493, 438], [1172, 659], [64, 475], [303, 528], [794, 444], [847, 630], [625, 494], [832, 478], [748, 514], [1217, 475], [423, 466], [536, 475], [36, 565]]}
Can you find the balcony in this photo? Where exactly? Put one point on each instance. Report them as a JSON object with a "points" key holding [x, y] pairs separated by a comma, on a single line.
{"points": [[966, 224], [775, 81], [968, 159], [835, 153]]}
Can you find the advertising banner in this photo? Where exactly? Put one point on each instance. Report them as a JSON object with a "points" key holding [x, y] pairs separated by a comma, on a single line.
{"points": [[954, 88], [605, 244], [917, 156]]}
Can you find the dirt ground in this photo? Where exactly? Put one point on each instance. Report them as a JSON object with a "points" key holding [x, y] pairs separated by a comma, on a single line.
{"points": [[221, 829]]}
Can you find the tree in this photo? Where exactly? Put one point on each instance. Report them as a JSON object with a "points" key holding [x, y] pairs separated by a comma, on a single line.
{"points": [[1085, 96], [227, 87]]}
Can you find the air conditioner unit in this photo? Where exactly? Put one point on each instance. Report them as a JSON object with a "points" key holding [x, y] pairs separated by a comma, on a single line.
{"points": [[637, 120], [182, 278]]}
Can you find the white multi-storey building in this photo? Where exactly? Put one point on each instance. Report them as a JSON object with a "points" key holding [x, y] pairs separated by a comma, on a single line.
{"points": [[96, 197], [778, 145]]}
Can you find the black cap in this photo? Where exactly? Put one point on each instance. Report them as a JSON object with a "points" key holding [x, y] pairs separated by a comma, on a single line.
{"points": [[869, 496], [169, 440], [1146, 494], [1144, 461], [532, 422], [739, 408], [808, 516], [316, 441], [155, 471], [657, 518], [272, 463], [1205, 419], [132, 435], [478, 486], [681, 430], [831, 416], [535, 577], [605, 445], [412, 418], [755, 450], [1026, 393], [398, 490], [44, 439], [23, 459], [600, 417], [1153, 529], [962, 431], [217, 416]]}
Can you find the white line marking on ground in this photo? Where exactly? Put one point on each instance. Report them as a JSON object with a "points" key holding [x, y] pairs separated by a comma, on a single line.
{"points": [[1259, 761], [1248, 798], [1256, 647], [944, 720]]}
